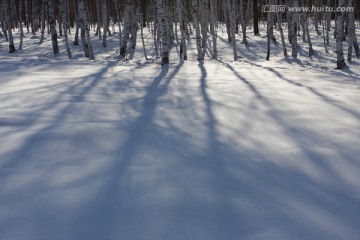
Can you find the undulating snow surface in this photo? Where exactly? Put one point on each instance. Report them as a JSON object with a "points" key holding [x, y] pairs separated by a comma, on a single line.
{"points": [[213, 150]]}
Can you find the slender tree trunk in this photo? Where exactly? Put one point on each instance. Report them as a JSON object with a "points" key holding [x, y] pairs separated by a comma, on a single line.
{"points": [[256, 17], [60, 21], [127, 26], [306, 21], [105, 21], [143, 41], [163, 31], [204, 24], [8, 25], [352, 34], [339, 37], [43, 11], [269, 28], [243, 21], [33, 17], [65, 25], [99, 23], [231, 7], [328, 23], [195, 16], [53, 27], [226, 13], [279, 18], [118, 18], [183, 50], [293, 30], [85, 32], [21, 24], [76, 37], [213, 20], [156, 37], [134, 25], [26, 6], [324, 36]]}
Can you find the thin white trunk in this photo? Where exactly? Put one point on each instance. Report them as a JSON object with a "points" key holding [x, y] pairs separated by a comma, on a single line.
{"points": [[195, 15], [142, 39], [269, 30], [65, 4], [85, 32], [26, 6], [118, 18], [293, 21], [43, 11], [163, 32], [243, 21], [52, 22], [328, 23], [127, 26], [99, 22], [231, 8], [213, 28], [339, 37], [60, 20], [352, 34], [33, 17], [105, 21], [180, 8], [279, 18], [8, 26], [21, 25], [305, 17], [134, 25], [204, 10]]}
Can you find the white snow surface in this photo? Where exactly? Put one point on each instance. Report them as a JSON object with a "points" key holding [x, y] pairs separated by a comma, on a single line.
{"points": [[214, 150]]}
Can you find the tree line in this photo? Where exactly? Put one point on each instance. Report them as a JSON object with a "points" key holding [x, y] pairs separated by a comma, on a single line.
{"points": [[172, 21]]}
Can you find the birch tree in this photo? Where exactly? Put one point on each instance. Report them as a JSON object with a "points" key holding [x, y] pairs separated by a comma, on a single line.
{"points": [[293, 29], [26, 7], [163, 32], [64, 5], [339, 37], [204, 10], [243, 21], [180, 13], [231, 9], [21, 24], [269, 29], [98, 29], [134, 26], [128, 10], [105, 21], [8, 25], [352, 34], [117, 10], [33, 17], [85, 34], [60, 20], [195, 16], [305, 17], [256, 17], [43, 11], [328, 22], [279, 18], [52, 22], [213, 26]]}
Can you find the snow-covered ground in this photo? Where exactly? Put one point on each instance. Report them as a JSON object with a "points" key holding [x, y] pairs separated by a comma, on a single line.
{"points": [[213, 150]]}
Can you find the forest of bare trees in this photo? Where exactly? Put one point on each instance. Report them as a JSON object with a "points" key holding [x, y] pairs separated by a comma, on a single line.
{"points": [[176, 20]]}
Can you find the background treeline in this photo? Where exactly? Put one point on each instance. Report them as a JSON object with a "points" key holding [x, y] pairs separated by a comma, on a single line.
{"points": [[172, 21]]}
